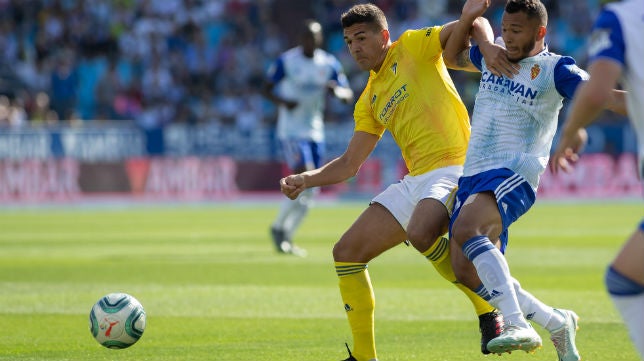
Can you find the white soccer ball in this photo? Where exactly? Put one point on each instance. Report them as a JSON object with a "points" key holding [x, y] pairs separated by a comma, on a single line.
{"points": [[117, 320]]}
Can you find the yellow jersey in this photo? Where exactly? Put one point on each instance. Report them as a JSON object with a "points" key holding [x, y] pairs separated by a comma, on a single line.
{"points": [[413, 96]]}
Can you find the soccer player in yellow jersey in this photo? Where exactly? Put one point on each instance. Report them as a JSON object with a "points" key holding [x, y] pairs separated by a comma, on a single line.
{"points": [[411, 94]]}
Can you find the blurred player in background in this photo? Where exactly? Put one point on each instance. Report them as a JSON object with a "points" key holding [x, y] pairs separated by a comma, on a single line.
{"points": [[409, 93], [616, 53], [298, 83], [513, 125]]}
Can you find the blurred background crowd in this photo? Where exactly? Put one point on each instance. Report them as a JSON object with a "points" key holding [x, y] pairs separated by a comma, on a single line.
{"points": [[195, 61]]}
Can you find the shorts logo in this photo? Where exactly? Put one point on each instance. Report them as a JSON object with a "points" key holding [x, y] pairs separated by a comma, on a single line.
{"points": [[534, 72]]}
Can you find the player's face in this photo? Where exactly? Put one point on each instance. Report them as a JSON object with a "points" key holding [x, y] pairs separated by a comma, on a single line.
{"points": [[521, 35], [367, 45], [311, 41]]}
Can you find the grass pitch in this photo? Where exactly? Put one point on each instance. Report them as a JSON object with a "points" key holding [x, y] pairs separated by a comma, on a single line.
{"points": [[214, 289]]}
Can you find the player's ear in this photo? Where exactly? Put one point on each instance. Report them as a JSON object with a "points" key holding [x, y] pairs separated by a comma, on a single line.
{"points": [[385, 36], [541, 32]]}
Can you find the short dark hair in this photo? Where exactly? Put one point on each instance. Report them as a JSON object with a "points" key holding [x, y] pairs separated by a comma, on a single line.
{"points": [[364, 13], [533, 8]]}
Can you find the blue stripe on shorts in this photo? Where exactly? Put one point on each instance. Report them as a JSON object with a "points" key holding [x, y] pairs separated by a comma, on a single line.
{"points": [[514, 195]]}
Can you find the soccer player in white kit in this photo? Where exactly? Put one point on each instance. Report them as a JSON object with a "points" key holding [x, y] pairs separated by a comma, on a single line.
{"points": [[299, 82], [616, 52], [513, 125]]}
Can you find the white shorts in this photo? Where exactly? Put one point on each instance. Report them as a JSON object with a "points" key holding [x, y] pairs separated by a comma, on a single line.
{"points": [[401, 198]]}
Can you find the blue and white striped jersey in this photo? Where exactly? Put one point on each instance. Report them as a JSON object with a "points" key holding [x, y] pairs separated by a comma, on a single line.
{"points": [[617, 35], [304, 80], [514, 120]]}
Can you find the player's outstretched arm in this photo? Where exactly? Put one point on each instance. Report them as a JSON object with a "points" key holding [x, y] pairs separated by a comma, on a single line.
{"points": [[338, 170]]}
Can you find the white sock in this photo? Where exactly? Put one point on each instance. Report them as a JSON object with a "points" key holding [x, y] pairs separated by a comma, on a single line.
{"points": [[494, 272], [535, 310], [632, 310]]}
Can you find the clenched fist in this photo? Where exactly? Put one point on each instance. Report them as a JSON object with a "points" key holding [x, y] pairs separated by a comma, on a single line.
{"points": [[292, 185]]}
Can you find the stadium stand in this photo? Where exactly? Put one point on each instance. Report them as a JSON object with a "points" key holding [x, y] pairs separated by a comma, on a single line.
{"points": [[179, 72]]}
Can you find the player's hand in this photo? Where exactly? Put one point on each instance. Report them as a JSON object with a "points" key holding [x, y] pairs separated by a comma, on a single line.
{"points": [[563, 158], [292, 185], [497, 60], [340, 92], [568, 149], [474, 8]]}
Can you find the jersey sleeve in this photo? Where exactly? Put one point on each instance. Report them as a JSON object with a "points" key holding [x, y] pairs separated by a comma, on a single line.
{"points": [[276, 71], [476, 57], [568, 76], [363, 116], [607, 40], [423, 43]]}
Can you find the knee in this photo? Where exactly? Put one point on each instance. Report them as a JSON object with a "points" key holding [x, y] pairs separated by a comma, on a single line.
{"points": [[422, 239], [462, 231], [421, 242], [348, 250], [338, 252], [459, 236]]}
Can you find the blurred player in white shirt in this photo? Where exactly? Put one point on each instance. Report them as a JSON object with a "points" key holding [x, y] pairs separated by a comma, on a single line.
{"points": [[616, 52], [298, 82]]}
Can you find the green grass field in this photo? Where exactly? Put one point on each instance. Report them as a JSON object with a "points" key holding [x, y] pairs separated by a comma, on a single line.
{"points": [[214, 289]]}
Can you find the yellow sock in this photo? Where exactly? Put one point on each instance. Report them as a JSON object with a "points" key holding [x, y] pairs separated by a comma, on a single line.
{"points": [[438, 255], [359, 303]]}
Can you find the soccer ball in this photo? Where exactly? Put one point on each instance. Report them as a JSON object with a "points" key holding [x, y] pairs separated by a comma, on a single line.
{"points": [[117, 320]]}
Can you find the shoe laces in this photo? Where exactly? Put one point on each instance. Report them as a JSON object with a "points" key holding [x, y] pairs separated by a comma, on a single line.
{"points": [[560, 340], [510, 328]]}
